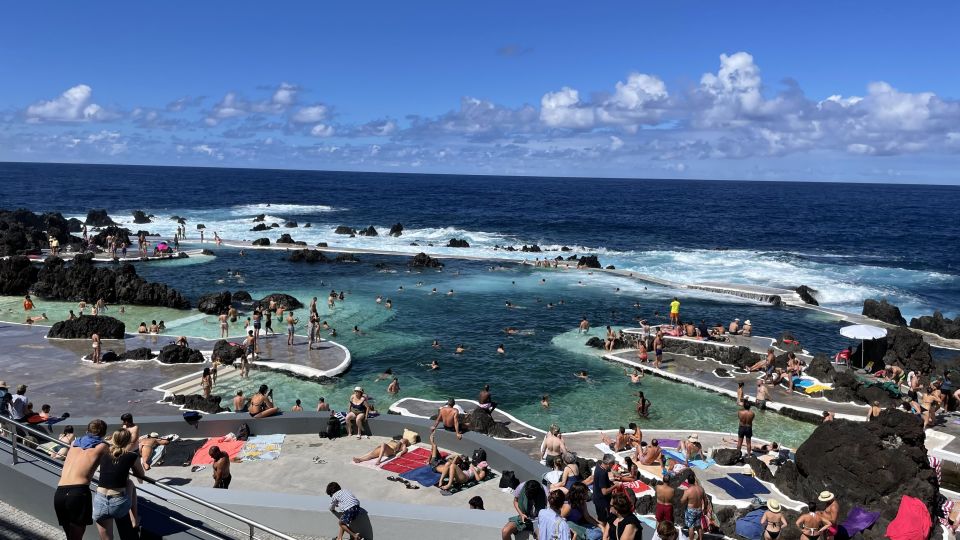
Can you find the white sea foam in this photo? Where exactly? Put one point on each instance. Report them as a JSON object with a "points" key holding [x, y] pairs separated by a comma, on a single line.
{"points": [[283, 209]]}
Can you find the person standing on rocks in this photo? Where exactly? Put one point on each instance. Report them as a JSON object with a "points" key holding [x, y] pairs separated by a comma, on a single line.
{"points": [[745, 429]]}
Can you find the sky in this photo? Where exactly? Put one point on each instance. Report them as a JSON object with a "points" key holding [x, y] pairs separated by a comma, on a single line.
{"points": [[832, 91]]}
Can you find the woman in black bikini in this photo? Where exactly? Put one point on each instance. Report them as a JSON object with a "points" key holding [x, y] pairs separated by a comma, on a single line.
{"points": [[812, 524], [261, 406], [773, 521], [358, 412]]}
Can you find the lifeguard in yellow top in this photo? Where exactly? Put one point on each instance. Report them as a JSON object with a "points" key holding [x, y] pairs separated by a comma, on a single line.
{"points": [[675, 311]]}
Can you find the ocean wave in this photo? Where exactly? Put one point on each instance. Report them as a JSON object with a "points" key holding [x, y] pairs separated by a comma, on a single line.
{"points": [[283, 209]]}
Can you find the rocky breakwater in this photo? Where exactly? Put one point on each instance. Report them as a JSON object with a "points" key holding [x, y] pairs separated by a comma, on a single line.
{"points": [[937, 324], [17, 275], [883, 311], [82, 280], [87, 325], [23, 232], [422, 260], [866, 464]]}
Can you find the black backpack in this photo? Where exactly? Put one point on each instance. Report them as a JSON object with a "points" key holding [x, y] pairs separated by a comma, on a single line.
{"points": [[244, 432], [479, 455], [508, 479], [333, 428]]}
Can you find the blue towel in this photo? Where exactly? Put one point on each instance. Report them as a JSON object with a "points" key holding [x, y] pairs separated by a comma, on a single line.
{"points": [[88, 441], [425, 475], [678, 456], [732, 488], [802, 383], [749, 525], [749, 483]]}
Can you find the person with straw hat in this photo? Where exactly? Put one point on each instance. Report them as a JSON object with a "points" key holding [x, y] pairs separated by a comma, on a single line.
{"points": [[772, 520], [830, 512]]}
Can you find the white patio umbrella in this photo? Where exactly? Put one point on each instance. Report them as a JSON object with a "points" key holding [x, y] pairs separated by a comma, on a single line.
{"points": [[863, 332]]}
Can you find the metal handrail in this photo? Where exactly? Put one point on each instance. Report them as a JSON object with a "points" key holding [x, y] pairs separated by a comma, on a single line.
{"points": [[249, 522]]}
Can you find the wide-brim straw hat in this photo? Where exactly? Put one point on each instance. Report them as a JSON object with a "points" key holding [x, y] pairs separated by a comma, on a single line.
{"points": [[773, 505], [825, 496]]}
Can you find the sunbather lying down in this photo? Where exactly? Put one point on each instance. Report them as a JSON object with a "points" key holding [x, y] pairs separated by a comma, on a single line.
{"points": [[456, 469], [389, 449]]}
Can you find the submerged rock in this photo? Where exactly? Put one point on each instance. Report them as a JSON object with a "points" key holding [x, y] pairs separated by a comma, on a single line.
{"points": [[343, 229], [85, 326], [307, 255], [347, 257], [175, 354], [422, 260], [883, 311], [261, 242], [458, 243]]}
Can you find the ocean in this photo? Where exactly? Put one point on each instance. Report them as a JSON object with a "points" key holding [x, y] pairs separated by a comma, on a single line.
{"points": [[847, 241]]}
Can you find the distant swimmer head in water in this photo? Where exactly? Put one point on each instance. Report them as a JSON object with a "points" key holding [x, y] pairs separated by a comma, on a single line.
{"points": [[450, 292], [545, 403], [434, 365], [436, 344], [500, 349], [460, 349], [582, 374]]}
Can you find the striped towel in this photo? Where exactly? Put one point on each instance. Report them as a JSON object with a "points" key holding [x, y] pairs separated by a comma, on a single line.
{"points": [[935, 464]]}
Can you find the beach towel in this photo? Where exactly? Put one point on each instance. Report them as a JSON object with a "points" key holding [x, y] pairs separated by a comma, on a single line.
{"points": [[638, 487], [732, 488], [343, 418], [802, 383], [669, 443], [202, 456], [750, 483], [912, 521], [816, 388], [698, 463], [749, 525], [425, 476], [457, 488], [858, 519], [179, 453], [262, 448], [418, 457]]}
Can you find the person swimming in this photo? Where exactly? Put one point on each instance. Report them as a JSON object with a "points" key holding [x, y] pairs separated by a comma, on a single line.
{"points": [[582, 374], [545, 401], [460, 349], [500, 349], [436, 344]]}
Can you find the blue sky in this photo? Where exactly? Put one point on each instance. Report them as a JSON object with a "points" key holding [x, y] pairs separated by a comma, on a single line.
{"points": [[751, 90]]}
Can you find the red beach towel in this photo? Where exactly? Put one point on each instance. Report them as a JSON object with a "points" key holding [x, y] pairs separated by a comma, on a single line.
{"points": [[912, 521], [413, 459], [232, 448]]}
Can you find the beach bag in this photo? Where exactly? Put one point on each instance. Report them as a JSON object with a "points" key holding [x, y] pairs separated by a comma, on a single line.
{"points": [[243, 433], [192, 418], [479, 455], [508, 479], [333, 428]]}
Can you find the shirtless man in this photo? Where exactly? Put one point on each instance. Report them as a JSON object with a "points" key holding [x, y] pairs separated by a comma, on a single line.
{"points": [[584, 326], [238, 402], [394, 386], [745, 429], [664, 510], [694, 499], [221, 468], [765, 364], [762, 395], [734, 327], [635, 376], [224, 327], [552, 447], [450, 416], [72, 501], [931, 402], [322, 405], [126, 422], [650, 455], [620, 443]]}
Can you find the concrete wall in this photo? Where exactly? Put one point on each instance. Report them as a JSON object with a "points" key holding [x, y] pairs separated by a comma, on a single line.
{"points": [[292, 514]]}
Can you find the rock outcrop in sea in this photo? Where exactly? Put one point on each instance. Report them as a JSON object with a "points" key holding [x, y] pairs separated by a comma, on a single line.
{"points": [[80, 279], [369, 231], [937, 324], [175, 354], [307, 255], [85, 326], [215, 303], [343, 229], [285, 300], [422, 260], [589, 261], [98, 218], [261, 242], [140, 217], [883, 311], [396, 230], [807, 295]]}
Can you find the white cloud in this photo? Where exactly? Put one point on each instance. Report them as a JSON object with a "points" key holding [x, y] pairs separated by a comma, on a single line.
{"points": [[310, 115], [285, 95], [563, 109], [321, 130], [616, 143], [74, 105]]}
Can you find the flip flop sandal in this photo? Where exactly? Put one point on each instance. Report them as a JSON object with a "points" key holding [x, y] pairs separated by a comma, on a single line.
{"points": [[411, 486], [394, 479]]}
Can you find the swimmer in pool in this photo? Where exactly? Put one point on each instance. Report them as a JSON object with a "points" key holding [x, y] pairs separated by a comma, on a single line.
{"points": [[545, 401], [460, 349], [500, 349], [635, 376], [436, 344], [434, 365], [582, 374], [450, 292], [511, 330]]}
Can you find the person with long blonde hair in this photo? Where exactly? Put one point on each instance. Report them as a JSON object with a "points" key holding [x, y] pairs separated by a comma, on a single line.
{"points": [[112, 502]]}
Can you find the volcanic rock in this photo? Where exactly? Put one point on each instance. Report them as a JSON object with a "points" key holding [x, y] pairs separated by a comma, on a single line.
{"points": [[867, 464], [242, 297], [806, 294], [140, 217], [788, 342], [214, 303], [85, 326], [595, 342], [611, 267], [307, 255], [82, 280], [820, 368], [369, 231], [285, 239], [140, 353], [458, 243], [883, 311], [938, 324], [274, 225], [343, 229], [225, 352], [261, 242], [98, 218], [201, 226], [396, 230], [196, 402], [759, 468], [531, 249], [74, 225], [481, 421], [727, 456], [17, 275], [589, 261], [175, 354], [119, 234], [259, 217], [285, 300], [260, 227], [347, 257], [422, 260], [290, 224], [564, 248]]}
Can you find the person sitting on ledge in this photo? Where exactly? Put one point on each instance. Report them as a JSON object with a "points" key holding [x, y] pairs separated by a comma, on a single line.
{"points": [[385, 451], [766, 364], [261, 404], [182, 341], [650, 454], [620, 443]]}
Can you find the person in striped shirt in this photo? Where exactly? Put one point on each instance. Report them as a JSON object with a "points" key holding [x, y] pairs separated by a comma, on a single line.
{"points": [[348, 506]]}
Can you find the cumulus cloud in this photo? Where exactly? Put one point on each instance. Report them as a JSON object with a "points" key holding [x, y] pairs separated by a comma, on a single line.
{"points": [[74, 105], [310, 115], [563, 109], [234, 106]]}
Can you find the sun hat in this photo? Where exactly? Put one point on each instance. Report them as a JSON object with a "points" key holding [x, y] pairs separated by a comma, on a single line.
{"points": [[773, 505], [738, 320], [825, 496], [3, 384], [358, 389], [693, 437], [747, 322]]}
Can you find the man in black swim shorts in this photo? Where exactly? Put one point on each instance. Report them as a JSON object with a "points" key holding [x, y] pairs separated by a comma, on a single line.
{"points": [[72, 501], [745, 430]]}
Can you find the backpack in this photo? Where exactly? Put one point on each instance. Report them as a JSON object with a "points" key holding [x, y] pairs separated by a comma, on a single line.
{"points": [[192, 418], [244, 432], [508, 479], [333, 428], [479, 455]]}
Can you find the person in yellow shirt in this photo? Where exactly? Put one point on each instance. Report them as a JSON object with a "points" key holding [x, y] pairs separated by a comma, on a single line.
{"points": [[675, 311]]}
